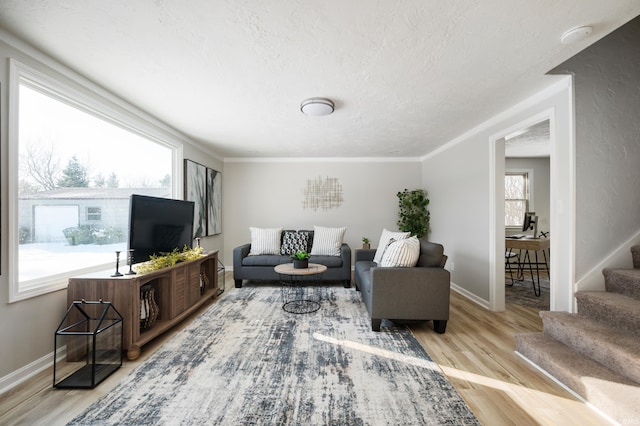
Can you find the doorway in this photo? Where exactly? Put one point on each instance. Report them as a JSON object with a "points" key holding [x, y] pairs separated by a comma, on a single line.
{"points": [[527, 190], [556, 105]]}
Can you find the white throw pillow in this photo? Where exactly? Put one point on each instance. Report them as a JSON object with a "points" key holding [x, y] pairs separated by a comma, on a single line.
{"points": [[327, 241], [402, 253], [384, 242], [265, 241]]}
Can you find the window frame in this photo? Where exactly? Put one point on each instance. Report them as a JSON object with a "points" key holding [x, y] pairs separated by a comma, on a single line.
{"points": [[95, 215], [90, 99], [529, 189]]}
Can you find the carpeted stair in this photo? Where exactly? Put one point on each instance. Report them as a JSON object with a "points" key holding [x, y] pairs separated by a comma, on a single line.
{"points": [[596, 352]]}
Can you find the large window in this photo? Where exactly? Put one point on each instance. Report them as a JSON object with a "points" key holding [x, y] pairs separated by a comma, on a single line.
{"points": [[516, 198], [76, 168]]}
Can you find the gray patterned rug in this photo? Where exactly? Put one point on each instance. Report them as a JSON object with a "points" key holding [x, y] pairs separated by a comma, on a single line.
{"points": [[521, 293], [245, 361]]}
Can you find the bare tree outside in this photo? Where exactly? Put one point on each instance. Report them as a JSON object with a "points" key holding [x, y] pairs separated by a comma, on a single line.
{"points": [[39, 167], [516, 198], [61, 146]]}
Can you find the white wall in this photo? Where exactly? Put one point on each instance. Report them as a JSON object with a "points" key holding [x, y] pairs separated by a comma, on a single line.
{"points": [[270, 194], [457, 179], [28, 326]]}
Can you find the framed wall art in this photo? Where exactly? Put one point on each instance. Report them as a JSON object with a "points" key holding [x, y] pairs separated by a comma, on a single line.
{"points": [[203, 186], [214, 202], [195, 189]]}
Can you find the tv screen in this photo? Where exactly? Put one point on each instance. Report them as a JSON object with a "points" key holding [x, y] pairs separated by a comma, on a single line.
{"points": [[158, 225]]}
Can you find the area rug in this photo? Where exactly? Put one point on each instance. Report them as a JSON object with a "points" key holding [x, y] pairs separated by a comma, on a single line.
{"points": [[521, 293], [245, 361]]}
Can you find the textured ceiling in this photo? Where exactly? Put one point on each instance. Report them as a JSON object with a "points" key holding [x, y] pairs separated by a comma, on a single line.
{"points": [[406, 76], [532, 141]]}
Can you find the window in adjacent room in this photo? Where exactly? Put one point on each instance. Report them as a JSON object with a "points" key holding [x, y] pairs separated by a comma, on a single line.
{"points": [[77, 166], [516, 198]]}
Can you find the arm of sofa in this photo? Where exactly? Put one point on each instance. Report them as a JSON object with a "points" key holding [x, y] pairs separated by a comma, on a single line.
{"points": [[365, 255], [345, 253], [410, 293], [239, 253]]}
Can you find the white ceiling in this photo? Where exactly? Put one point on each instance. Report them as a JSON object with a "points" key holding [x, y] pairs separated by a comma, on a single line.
{"points": [[532, 141], [406, 76]]}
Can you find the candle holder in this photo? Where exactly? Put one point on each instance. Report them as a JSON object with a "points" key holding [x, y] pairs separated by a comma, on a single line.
{"points": [[117, 273], [130, 262]]}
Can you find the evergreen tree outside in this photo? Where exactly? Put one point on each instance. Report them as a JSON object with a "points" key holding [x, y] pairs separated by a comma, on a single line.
{"points": [[74, 175], [99, 181], [165, 182], [113, 181]]}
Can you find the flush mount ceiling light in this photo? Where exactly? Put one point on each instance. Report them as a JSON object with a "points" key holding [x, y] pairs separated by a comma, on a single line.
{"points": [[575, 34], [317, 106]]}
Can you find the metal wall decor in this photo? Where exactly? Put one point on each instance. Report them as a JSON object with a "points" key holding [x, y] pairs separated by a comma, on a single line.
{"points": [[322, 194], [204, 187]]}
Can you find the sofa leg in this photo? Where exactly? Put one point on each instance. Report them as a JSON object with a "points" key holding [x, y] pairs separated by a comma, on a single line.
{"points": [[375, 324], [238, 283], [347, 284], [439, 326]]}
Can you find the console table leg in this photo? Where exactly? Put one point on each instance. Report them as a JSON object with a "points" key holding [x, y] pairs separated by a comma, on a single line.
{"points": [[133, 352]]}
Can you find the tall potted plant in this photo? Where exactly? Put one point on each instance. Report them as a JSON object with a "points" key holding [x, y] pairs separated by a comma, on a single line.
{"points": [[413, 215]]}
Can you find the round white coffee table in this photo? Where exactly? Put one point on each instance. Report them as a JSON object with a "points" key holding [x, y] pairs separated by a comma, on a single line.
{"points": [[297, 291]]}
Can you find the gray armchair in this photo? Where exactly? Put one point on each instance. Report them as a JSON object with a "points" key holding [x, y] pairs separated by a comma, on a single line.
{"points": [[402, 294]]}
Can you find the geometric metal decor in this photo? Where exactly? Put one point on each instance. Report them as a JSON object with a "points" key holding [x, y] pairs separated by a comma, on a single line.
{"points": [[322, 194]]}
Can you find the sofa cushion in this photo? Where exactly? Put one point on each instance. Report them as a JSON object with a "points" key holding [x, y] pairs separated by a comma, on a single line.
{"points": [[431, 255], [327, 241], [265, 241], [384, 242], [265, 260], [294, 241], [402, 253], [328, 261]]}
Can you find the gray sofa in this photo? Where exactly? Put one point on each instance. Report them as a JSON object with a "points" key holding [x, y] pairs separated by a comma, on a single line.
{"points": [[260, 267], [405, 294]]}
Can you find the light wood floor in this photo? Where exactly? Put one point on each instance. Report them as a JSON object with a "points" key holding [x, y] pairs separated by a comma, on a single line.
{"points": [[476, 353]]}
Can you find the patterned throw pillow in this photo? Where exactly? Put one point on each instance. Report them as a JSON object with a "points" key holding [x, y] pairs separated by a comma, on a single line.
{"points": [[327, 241], [265, 241], [385, 238], [401, 254], [293, 241]]}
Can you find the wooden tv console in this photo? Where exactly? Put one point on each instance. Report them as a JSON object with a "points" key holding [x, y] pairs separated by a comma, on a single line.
{"points": [[177, 292]]}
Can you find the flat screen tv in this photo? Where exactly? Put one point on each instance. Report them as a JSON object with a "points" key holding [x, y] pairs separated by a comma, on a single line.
{"points": [[158, 225]]}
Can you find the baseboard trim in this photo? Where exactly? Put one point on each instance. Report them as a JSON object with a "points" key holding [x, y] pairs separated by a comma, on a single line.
{"points": [[619, 258], [466, 293], [568, 389], [30, 370]]}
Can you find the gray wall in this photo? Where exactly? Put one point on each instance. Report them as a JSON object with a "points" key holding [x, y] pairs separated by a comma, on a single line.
{"points": [[28, 326], [270, 194], [607, 108]]}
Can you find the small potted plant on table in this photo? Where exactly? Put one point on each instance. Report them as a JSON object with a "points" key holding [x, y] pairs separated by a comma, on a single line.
{"points": [[300, 259], [365, 243]]}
